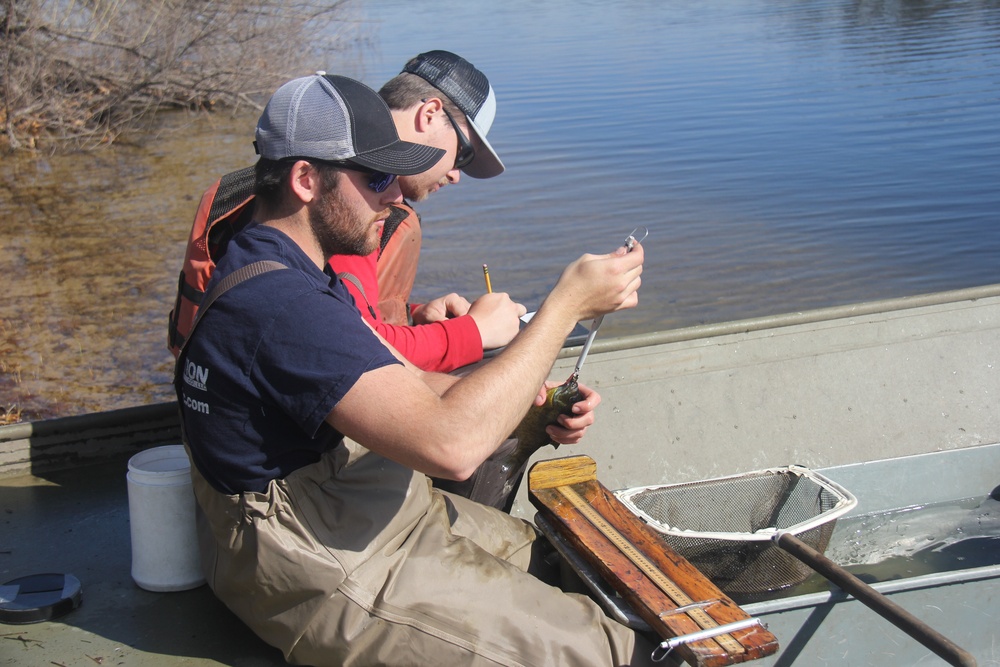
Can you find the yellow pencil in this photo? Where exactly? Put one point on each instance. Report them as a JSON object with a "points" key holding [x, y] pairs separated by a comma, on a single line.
{"points": [[486, 274]]}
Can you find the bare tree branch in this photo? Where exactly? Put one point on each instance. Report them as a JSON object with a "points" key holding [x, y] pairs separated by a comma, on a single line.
{"points": [[78, 73]]}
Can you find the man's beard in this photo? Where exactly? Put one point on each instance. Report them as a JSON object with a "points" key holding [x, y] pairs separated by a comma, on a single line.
{"points": [[338, 230]]}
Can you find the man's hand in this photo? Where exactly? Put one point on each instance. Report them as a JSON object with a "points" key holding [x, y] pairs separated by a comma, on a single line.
{"points": [[571, 428], [441, 308], [497, 317], [595, 285]]}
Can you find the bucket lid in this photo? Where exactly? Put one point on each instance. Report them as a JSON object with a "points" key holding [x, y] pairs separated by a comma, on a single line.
{"points": [[38, 597], [164, 460]]}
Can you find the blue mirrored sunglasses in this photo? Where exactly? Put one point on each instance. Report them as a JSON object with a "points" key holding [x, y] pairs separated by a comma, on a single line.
{"points": [[378, 180]]}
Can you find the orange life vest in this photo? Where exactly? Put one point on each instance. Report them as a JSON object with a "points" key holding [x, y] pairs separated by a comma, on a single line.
{"points": [[224, 210], [397, 264]]}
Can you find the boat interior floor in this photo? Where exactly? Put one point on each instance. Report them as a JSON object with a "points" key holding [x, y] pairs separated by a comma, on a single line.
{"points": [[77, 522]]}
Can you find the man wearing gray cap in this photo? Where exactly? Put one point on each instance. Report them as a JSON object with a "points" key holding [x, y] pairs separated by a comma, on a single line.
{"points": [[318, 526]]}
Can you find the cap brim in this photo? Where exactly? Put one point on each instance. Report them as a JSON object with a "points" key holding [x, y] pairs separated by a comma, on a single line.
{"points": [[487, 163], [402, 158]]}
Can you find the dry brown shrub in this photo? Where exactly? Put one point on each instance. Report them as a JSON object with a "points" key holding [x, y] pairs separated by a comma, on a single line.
{"points": [[79, 73], [9, 415]]}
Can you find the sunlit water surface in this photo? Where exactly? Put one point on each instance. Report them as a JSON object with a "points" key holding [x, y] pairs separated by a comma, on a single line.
{"points": [[784, 156], [910, 542]]}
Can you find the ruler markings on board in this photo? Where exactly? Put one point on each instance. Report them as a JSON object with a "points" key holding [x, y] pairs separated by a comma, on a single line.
{"points": [[679, 597]]}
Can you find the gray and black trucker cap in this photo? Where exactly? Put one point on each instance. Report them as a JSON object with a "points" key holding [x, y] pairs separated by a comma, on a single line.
{"points": [[328, 117], [471, 91]]}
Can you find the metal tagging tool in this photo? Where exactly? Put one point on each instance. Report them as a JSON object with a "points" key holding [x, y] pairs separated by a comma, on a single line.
{"points": [[638, 235]]}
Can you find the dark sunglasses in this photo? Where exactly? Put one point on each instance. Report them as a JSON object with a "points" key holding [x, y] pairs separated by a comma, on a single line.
{"points": [[466, 153], [378, 180]]}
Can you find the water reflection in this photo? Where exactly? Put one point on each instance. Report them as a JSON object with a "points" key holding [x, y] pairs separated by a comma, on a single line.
{"points": [[785, 156], [91, 247]]}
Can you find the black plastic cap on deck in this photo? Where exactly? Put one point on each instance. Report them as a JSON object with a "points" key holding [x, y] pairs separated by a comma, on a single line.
{"points": [[39, 597]]}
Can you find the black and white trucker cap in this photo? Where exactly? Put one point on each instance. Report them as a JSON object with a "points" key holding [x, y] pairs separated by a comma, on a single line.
{"points": [[328, 117], [471, 91]]}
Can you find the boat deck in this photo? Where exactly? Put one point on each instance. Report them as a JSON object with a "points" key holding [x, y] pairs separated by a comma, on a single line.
{"points": [[914, 378], [77, 522]]}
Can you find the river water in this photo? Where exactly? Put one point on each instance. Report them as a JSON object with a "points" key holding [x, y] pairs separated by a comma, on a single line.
{"points": [[785, 156]]}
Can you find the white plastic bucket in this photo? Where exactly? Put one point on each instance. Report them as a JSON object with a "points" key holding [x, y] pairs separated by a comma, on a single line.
{"points": [[161, 513]]}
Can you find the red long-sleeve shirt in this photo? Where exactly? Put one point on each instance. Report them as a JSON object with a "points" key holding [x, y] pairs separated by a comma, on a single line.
{"points": [[386, 277]]}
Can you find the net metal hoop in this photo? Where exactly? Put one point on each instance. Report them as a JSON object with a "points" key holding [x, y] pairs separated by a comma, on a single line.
{"points": [[845, 502]]}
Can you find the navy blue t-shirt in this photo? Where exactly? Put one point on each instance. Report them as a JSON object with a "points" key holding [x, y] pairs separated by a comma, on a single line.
{"points": [[267, 363]]}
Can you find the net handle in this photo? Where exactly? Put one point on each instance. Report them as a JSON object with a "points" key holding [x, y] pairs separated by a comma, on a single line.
{"points": [[881, 605]]}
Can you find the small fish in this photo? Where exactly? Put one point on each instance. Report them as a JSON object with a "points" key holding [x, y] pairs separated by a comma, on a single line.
{"points": [[530, 433]]}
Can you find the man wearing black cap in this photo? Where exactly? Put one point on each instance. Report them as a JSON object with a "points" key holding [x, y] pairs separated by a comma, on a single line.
{"points": [[339, 553], [442, 100]]}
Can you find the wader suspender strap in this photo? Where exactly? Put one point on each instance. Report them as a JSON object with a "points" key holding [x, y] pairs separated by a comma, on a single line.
{"points": [[232, 280], [354, 280]]}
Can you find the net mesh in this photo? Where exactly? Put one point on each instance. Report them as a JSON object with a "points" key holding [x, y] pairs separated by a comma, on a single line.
{"points": [[724, 526]]}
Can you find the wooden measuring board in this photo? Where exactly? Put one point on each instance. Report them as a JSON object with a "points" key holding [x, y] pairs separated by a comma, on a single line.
{"points": [[663, 588]]}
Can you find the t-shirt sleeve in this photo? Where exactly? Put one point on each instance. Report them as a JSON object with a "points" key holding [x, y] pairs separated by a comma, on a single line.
{"points": [[312, 354]]}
